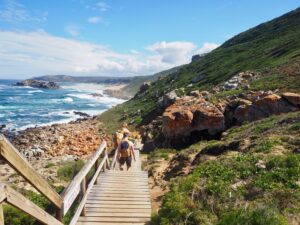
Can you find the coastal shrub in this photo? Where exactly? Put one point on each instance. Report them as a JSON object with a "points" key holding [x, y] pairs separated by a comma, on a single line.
{"points": [[49, 165], [215, 192], [282, 172], [69, 170], [266, 146], [261, 215], [15, 216]]}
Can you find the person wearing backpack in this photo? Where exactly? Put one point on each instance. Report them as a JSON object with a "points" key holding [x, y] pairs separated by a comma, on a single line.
{"points": [[125, 152]]}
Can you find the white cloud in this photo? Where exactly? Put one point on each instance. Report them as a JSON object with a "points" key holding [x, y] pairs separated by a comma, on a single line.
{"points": [[73, 30], [99, 6], [173, 52], [95, 19], [14, 12], [102, 6], [27, 54], [207, 47]]}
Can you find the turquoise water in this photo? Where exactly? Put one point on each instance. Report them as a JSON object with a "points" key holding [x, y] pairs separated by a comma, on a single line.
{"points": [[23, 107]]}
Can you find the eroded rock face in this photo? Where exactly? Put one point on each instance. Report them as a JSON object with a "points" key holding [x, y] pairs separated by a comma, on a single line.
{"points": [[190, 114], [263, 107], [292, 98], [194, 115]]}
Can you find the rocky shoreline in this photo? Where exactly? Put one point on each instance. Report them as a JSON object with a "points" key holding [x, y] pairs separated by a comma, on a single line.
{"points": [[48, 148], [79, 138]]}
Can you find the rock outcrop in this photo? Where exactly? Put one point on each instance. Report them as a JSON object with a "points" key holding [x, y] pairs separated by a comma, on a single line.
{"points": [[145, 86], [168, 99], [292, 98], [38, 84], [240, 80], [190, 114], [261, 107]]}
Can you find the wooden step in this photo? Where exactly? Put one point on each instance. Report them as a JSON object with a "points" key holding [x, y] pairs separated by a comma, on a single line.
{"points": [[114, 206], [113, 219], [119, 214]]}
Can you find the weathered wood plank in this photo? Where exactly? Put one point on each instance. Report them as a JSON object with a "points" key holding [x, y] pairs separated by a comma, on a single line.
{"points": [[25, 205], [1, 215], [2, 192], [101, 194], [109, 223], [68, 194], [120, 192], [117, 202], [119, 206], [20, 164], [110, 198], [119, 214], [100, 210], [124, 189], [112, 219]]}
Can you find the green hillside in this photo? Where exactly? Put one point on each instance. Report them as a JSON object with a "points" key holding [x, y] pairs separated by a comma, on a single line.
{"points": [[133, 87], [271, 48], [250, 177]]}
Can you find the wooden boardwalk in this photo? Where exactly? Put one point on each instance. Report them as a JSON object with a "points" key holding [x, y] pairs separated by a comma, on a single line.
{"points": [[119, 197]]}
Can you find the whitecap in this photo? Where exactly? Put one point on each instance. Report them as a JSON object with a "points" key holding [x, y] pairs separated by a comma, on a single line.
{"points": [[82, 96], [68, 99], [35, 91]]}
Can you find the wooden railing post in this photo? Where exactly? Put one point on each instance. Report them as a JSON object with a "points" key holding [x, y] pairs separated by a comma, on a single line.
{"points": [[103, 158], [107, 161], [1, 215], [96, 168], [83, 190], [60, 214]]}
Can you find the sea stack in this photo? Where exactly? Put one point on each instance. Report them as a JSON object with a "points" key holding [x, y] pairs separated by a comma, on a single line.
{"points": [[38, 84]]}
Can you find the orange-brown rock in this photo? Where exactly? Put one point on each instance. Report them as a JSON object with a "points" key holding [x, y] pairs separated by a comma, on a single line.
{"points": [[292, 98], [76, 138], [190, 114], [263, 106]]}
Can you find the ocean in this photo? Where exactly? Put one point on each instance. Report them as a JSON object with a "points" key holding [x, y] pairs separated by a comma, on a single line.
{"points": [[25, 107]]}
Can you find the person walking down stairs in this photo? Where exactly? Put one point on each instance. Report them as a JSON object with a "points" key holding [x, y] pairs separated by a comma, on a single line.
{"points": [[125, 152]]}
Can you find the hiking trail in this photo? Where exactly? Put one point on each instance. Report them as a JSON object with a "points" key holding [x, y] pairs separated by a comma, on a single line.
{"points": [[119, 197]]}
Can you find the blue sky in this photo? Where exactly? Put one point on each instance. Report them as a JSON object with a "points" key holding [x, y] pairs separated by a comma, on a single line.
{"points": [[119, 37]]}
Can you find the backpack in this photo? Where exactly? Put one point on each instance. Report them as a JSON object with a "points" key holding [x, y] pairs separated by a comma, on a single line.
{"points": [[125, 150]]}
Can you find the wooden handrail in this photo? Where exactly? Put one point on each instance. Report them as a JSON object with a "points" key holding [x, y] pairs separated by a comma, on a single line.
{"points": [[114, 162], [64, 201], [71, 192], [20, 164], [83, 201], [14, 198]]}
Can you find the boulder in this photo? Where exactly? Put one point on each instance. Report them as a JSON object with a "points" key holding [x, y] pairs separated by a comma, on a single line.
{"points": [[198, 78], [197, 57], [168, 99], [145, 86], [230, 86], [195, 93], [188, 115], [292, 98]]}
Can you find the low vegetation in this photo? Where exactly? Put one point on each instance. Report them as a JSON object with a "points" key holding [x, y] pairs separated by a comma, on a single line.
{"points": [[256, 183]]}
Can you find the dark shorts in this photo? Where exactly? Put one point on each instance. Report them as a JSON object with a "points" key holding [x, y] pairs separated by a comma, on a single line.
{"points": [[127, 160]]}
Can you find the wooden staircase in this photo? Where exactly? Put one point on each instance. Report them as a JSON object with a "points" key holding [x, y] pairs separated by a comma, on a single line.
{"points": [[119, 197], [110, 197]]}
